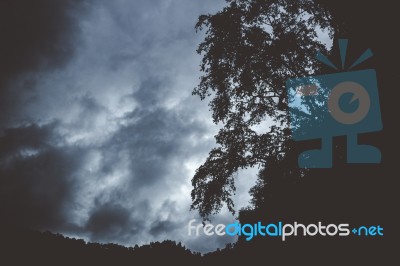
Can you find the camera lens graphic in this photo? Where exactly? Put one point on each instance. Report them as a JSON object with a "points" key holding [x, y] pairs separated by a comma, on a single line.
{"points": [[359, 93]]}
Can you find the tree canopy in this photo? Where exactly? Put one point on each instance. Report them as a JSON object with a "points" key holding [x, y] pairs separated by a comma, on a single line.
{"points": [[251, 48]]}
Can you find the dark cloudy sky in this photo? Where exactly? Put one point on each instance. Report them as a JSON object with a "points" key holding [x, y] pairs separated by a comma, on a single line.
{"points": [[99, 133]]}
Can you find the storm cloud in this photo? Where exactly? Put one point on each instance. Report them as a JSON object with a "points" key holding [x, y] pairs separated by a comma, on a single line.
{"points": [[99, 132]]}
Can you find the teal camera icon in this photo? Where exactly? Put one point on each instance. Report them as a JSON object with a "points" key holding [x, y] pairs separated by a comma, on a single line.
{"points": [[344, 103]]}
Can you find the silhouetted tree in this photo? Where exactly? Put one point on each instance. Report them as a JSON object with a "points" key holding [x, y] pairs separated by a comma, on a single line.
{"points": [[251, 48]]}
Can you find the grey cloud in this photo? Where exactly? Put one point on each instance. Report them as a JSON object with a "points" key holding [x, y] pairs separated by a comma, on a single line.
{"points": [[163, 227], [117, 163], [149, 92], [35, 180], [156, 138], [35, 35], [120, 60], [14, 140], [111, 221]]}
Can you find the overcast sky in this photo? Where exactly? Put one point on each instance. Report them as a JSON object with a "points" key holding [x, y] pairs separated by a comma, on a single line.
{"points": [[99, 133]]}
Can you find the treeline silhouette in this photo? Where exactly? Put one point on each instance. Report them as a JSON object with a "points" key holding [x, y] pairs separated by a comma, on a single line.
{"points": [[21, 246]]}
